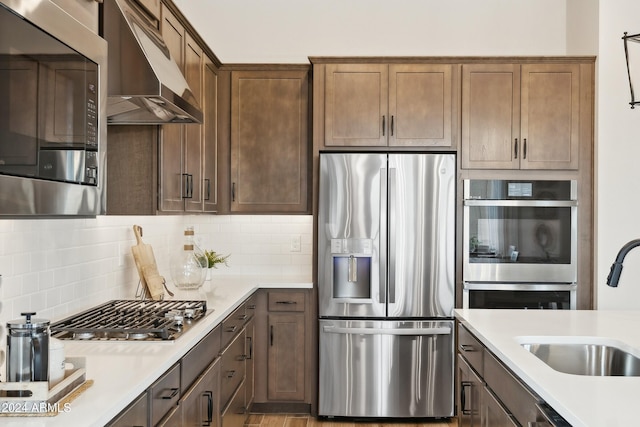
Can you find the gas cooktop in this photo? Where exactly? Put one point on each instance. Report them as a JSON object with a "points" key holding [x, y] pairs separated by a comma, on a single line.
{"points": [[131, 320]]}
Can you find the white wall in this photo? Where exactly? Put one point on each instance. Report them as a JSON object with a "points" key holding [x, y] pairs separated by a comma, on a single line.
{"points": [[289, 31], [618, 154]]}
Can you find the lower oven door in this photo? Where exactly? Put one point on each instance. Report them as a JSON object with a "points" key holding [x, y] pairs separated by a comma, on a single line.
{"points": [[556, 296], [386, 368]]}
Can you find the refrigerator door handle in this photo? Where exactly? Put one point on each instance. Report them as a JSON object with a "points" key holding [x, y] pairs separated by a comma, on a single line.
{"points": [[391, 243], [383, 236], [387, 331]]}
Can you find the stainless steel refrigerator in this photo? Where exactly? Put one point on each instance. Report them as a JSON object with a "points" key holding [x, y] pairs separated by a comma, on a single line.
{"points": [[386, 249]]}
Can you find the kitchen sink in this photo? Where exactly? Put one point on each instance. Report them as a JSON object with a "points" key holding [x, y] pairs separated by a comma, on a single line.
{"points": [[586, 359]]}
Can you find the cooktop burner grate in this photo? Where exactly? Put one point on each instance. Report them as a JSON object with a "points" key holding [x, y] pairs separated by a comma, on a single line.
{"points": [[131, 320]]}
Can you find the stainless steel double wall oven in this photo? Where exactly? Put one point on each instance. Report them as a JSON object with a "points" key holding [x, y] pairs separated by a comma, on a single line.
{"points": [[520, 244]]}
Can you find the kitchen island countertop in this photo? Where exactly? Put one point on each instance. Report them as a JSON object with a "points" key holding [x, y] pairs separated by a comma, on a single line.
{"points": [[581, 400], [122, 370]]}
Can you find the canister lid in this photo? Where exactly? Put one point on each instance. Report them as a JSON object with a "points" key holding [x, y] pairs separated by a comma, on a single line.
{"points": [[28, 322]]}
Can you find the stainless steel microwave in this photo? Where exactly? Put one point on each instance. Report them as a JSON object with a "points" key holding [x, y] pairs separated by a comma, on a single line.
{"points": [[52, 115]]}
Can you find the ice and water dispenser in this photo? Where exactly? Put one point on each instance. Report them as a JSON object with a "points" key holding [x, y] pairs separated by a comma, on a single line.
{"points": [[351, 259]]}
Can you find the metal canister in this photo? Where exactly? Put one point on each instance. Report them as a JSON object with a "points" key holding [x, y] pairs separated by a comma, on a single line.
{"points": [[28, 349]]}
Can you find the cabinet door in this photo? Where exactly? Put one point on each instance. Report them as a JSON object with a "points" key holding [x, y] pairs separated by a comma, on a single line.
{"points": [[269, 141], [210, 136], [194, 59], [356, 99], [494, 415], [286, 357], [469, 395], [172, 183], [420, 98], [151, 6], [550, 116], [200, 405], [490, 116]]}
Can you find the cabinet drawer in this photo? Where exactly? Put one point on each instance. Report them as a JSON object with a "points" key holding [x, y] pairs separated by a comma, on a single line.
{"points": [[471, 349], [235, 413], [511, 392], [286, 301], [233, 324], [165, 394], [199, 357], [251, 305], [233, 368]]}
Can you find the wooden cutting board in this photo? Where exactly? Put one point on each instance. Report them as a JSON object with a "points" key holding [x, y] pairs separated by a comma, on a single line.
{"points": [[146, 265]]}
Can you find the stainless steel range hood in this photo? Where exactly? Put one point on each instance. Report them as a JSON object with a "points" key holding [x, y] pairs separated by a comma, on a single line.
{"points": [[145, 84]]}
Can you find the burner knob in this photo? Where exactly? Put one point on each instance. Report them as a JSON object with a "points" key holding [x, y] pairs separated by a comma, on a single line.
{"points": [[179, 320], [189, 313]]}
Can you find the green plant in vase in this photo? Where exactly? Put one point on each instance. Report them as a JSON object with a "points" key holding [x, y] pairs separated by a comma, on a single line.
{"points": [[213, 259]]}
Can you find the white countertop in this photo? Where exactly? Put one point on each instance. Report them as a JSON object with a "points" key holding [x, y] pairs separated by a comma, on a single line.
{"points": [[581, 400], [123, 370]]}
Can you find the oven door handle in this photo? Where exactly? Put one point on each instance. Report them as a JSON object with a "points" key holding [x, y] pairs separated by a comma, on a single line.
{"points": [[387, 331], [523, 203]]}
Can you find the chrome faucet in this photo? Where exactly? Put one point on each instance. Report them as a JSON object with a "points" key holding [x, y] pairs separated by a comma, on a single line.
{"points": [[616, 267]]}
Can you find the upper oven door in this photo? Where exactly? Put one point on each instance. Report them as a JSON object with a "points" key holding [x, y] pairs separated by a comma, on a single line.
{"points": [[520, 237]]}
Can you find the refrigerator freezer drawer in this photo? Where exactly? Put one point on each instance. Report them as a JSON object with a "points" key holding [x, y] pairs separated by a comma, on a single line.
{"points": [[399, 369]]}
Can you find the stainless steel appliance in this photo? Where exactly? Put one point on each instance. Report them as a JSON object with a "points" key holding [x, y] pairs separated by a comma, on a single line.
{"points": [[131, 320], [52, 123], [520, 244], [146, 85], [28, 349], [386, 249]]}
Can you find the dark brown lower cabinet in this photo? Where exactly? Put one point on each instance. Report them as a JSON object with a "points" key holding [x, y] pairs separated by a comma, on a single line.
{"points": [[282, 351], [286, 357], [212, 385], [469, 397], [495, 415], [235, 413], [489, 394], [200, 405]]}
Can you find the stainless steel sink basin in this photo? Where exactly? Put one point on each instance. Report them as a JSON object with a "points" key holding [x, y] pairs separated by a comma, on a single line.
{"points": [[587, 359]]}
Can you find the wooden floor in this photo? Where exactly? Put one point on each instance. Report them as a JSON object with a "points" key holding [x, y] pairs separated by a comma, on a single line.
{"points": [[293, 420]]}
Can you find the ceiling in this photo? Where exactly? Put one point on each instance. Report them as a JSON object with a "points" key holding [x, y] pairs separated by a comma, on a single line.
{"points": [[289, 31]]}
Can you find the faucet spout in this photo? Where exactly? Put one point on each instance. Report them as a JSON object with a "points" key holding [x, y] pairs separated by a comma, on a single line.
{"points": [[616, 267]]}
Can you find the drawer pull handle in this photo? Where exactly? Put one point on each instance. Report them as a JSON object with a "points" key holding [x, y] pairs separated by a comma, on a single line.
{"points": [[232, 328], [467, 348], [231, 374], [173, 392], [243, 317], [286, 302], [242, 358], [251, 307]]}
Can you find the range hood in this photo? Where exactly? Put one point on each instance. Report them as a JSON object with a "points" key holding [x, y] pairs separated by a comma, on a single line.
{"points": [[145, 84]]}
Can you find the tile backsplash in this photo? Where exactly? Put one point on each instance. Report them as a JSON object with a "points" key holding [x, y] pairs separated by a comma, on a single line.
{"points": [[57, 267]]}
